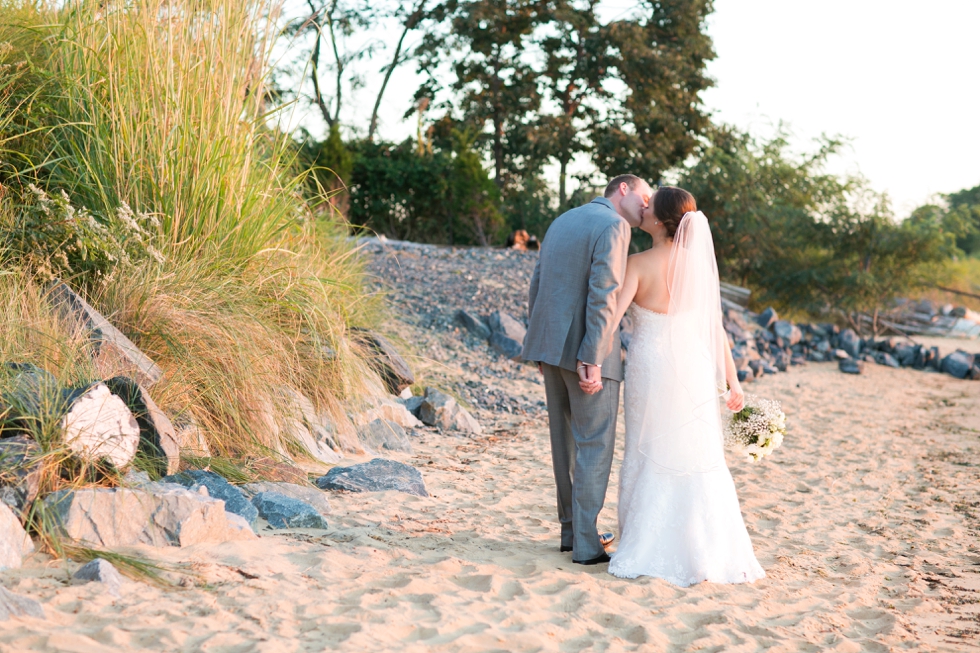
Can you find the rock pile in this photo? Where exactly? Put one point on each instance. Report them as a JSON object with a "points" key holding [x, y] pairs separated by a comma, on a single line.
{"points": [[764, 344]]}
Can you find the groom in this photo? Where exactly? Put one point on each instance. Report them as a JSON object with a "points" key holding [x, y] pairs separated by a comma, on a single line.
{"points": [[573, 336]]}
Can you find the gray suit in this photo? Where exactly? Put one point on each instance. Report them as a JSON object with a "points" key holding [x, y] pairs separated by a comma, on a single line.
{"points": [[571, 317]]}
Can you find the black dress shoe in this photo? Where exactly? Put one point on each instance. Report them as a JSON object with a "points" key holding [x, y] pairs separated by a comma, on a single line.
{"points": [[565, 549], [594, 561]]}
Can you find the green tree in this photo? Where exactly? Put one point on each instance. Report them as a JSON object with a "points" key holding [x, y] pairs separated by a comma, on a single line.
{"points": [[963, 217], [494, 82], [661, 56], [579, 59]]}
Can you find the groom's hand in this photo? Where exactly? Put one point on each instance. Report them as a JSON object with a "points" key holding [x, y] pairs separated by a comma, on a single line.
{"points": [[589, 377]]}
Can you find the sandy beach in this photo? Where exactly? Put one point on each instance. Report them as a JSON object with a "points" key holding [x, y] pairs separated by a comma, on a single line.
{"points": [[866, 522]]}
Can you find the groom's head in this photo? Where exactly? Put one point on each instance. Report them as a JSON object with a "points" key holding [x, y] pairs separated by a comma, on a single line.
{"points": [[629, 196]]}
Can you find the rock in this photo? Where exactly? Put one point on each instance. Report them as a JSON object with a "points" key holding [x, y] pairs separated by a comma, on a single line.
{"points": [[767, 318], [959, 311], [781, 359], [235, 501], [99, 425], [473, 324], [823, 346], [737, 317], [884, 358], [114, 352], [905, 354], [305, 493], [390, 410], [190, 437], [99, 570], [850, 342], [465, 423], [20, 473], [851, 366], [414, 405], [282, 511], [757, 367], [797, 359], [386, 360], [305, 427], [626, 328], [377, 475], [15, 605], [789, 332], [437, 409], [743, 375], [841, 355], [926, 306], [160, 514], [507, 335], [158, 437], [816, 356], [15, 543], [383, 434], [935, 360], [958, 364]]}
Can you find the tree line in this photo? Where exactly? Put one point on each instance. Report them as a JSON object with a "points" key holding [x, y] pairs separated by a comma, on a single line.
{"points": [[509, 87]]}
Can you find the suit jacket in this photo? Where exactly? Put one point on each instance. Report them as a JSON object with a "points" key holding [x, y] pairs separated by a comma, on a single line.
{"points": [[575, 288]]}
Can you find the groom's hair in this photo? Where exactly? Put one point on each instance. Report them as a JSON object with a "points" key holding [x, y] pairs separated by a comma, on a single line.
{"points": [[630, 180]]}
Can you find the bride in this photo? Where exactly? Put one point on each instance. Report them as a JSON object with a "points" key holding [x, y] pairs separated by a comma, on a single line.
{"points": [[679, 517]]}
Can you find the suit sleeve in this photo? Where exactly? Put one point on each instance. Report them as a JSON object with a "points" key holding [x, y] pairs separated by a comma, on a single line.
{"points": [[532, 292], [606, 277]]}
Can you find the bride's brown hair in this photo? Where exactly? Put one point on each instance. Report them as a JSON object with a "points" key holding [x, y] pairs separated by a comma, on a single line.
{"points": [[669, 206]]}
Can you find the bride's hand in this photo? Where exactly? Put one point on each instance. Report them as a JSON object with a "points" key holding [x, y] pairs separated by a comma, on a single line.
{"points": [[736, 398]]}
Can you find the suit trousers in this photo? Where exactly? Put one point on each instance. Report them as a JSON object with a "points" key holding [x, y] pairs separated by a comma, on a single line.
{"points": [[583, 437]]}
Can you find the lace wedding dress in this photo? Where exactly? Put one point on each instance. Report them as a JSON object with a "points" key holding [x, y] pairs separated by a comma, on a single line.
{"points": [[682, 527], [679, 517]]}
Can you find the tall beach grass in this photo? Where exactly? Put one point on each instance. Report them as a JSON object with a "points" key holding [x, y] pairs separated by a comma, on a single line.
{"points": [[162, 106]]}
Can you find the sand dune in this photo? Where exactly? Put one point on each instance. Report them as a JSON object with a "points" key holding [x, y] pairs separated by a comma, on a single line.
{"points": [[866, 522]]}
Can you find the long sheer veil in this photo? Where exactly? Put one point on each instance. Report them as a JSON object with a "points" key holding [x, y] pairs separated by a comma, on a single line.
{"points": [[682, 431]]}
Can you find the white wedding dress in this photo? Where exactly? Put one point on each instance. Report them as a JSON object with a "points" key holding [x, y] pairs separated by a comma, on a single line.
{"points": [[679, 517]]}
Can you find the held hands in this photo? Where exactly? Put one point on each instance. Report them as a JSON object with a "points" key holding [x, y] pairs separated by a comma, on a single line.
{"points": [[736, 398], [589, 377]]}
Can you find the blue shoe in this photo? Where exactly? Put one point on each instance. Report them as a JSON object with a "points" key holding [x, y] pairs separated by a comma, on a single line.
{"points": [[605, 539]]}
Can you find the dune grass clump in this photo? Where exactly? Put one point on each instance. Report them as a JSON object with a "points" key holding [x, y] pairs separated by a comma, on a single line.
{"points": [[156, 113]]}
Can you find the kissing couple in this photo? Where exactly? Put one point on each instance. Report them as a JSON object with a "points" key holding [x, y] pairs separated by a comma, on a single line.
{"points": [[679, 517]]}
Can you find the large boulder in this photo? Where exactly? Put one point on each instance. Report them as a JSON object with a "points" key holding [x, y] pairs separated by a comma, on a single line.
{"points": [[473, 323], [305, 493], [851, 366], [282, 511], [788, 332], [100, 426], [114, 352], [386, 360], [377, 475], [440, 410], [101, 571], [15, 605], [217, 487], [160, 514], [20, 473], [884, 358], [306, 427], [158, 445], [850, 342], [767, 318], [382, 434], [958, 364], [15, 543], [905, 353], [507, 335]]}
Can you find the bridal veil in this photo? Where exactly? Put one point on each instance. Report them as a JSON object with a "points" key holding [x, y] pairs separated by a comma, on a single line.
{"points": [[685, 437]]}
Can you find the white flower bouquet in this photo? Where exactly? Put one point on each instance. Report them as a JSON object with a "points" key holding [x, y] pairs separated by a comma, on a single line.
{"points": [[757, 429]]}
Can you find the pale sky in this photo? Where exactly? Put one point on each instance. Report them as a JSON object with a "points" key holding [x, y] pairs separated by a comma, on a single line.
{"points": [[901, 79]]}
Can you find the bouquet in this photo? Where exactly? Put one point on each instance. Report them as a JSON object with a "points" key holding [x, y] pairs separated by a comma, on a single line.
{"points": [[757, 429]]}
